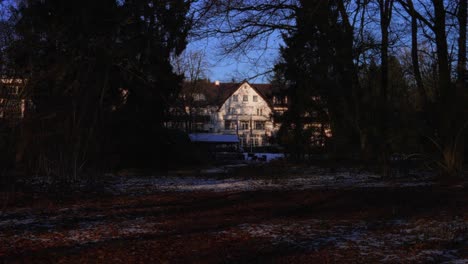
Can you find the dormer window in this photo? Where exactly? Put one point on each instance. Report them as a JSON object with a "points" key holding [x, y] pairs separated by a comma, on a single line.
{"points": [[245, 98]]}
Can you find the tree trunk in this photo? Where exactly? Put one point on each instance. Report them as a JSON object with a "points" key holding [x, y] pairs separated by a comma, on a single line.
{"points": [[415, 56], [461, 66], [442, 51], [448, 105], [350, 102], [385, 7], [385, 16]]}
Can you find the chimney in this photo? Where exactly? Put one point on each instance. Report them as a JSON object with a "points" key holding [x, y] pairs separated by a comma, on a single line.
{"points": [[216, 83]]}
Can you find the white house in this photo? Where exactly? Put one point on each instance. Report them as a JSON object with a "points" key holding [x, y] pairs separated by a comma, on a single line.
{"points": [[12, 100], [246, 110], [247, 113]]}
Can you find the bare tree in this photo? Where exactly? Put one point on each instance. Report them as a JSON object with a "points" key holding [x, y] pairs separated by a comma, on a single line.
{"points": [[437, 21], [415, 55], [192, 64], [461, 66], [385, 8], [195, 68], [245, 30]]}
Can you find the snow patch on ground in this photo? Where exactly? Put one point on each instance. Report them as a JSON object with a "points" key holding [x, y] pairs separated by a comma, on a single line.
{"points": [[365, 238], [316, 181], [81, 233], [16, 222], [456, 261]]}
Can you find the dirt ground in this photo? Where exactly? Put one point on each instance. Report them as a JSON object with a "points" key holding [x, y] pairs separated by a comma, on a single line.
{"points": [[412, 224]]}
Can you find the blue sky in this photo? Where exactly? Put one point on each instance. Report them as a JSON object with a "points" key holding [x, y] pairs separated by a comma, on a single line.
{"points": [[239, 66], [236, 67]]}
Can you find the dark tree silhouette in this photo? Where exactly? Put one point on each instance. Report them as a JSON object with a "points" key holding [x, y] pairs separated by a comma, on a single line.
{"points": [[100, 78]]}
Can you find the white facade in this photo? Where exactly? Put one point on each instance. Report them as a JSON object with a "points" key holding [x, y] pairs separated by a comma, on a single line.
{"points": [[247, 114], [12, 101], [242, 109], [253, 112]]}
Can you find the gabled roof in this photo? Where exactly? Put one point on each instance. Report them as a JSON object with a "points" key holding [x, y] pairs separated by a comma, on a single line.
{"points": [[215, 94], [265, 87], [218, 94]]}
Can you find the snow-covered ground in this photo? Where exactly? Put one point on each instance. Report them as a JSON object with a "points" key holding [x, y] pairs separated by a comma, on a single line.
{"points": [[413, 240], [129, 214], [207, 182], [365, 238]]}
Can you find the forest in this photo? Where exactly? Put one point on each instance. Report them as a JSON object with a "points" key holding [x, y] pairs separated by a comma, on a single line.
{"points": [[391, 77], [91, 173]]}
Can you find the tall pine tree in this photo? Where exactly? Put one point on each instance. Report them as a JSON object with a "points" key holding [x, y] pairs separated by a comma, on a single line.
{"points": [[99, 77], [318, 63]]}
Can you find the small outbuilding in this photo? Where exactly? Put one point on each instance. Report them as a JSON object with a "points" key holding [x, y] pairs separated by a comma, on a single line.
{"points": [[219, 146], [216, 142]]}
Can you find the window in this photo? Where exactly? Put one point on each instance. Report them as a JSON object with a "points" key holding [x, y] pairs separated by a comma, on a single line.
{"points": [[197, 126], [259, 125], [256, 141], [199, 97], [259, 111], [255, 98], [13, 90], [232, 110], [244, 125], [245, 98], [243, 141], [235, 98], [12, 109], [229, 125]]}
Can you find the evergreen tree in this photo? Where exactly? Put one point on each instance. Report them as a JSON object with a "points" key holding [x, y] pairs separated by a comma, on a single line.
{"points": [[99, 77], [316, 65]]}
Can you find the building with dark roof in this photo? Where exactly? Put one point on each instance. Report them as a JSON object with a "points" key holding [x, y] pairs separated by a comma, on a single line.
{"points": [[242, 109], [12, 100]]}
